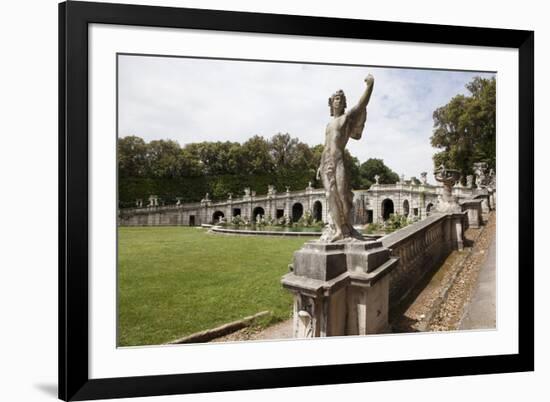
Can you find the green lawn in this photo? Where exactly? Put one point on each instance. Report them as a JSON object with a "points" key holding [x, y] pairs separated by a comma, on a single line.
{"points": [[174, 281]]}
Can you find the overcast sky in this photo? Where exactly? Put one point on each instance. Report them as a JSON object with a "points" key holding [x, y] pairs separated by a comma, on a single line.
{"points": [[193, 100]]}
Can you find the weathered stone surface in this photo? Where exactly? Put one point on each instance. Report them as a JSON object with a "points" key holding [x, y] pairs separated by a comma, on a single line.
{"points": [[474, 210], [317, 305], [365, 256], [368, 205], [322, 261], [332, 169], [448, 177], [421, 247], [354, 300]]}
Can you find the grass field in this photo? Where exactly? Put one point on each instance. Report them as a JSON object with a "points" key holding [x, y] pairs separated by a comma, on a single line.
{"points": [[174, 281]]}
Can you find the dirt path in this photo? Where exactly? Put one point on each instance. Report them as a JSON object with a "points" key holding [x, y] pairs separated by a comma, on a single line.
{"points": [[281, 330], [481, 311], [452, 309]]}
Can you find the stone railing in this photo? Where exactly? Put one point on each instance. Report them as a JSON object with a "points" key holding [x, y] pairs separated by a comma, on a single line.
{"points": [[421, 247], [349, 288], [159, 208]]}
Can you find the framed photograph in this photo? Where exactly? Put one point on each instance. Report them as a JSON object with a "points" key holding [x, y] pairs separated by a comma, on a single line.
{"points": [[259, 201]]}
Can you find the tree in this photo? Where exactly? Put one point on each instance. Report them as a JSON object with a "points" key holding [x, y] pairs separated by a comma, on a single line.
{"points": [[164, 158], [190, 162], [282, 148], [254, 156], [372, 167], [465, 128], [216, 158], [132, 157], [289, 154], [352, 167], [164, 168]]}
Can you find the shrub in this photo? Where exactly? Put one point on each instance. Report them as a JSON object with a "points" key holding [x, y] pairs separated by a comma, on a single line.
{"points": [[395, 222]]}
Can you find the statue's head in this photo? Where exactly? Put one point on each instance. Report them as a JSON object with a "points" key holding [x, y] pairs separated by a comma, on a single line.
{"points": [[337, 103]]}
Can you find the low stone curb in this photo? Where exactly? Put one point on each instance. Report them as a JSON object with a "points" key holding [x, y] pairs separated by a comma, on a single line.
{"points": [[245, 232], [225, 329]]}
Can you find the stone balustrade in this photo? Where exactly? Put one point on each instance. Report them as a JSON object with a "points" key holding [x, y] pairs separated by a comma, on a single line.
{"points": [[370, 205], [421, 247], [350, 288]]}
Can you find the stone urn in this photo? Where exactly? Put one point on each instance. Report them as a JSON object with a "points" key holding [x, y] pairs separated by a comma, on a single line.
{"points": [[447, 177]]}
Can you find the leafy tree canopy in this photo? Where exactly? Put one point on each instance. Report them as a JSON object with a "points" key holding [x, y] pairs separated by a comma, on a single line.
{"points": [[464, 129], [162, 167], [372, 167]]}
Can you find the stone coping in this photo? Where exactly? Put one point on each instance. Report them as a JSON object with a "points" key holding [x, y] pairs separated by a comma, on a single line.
{"points": [[316, 287], [158, 209], [218, 229], [367, 279], [471, 202], [393, 239], [235, 201]]}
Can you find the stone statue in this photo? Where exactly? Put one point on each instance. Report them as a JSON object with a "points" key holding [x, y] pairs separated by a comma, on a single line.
{"points": [[377, 179], [479, 170], [153, 201], [332, 171], [424, 177], [470, 181]]}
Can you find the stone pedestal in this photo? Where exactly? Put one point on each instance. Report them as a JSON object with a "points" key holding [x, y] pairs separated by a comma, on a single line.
{"points": [[458, 223], [368, 292], [492, 199], [340, 288], [483, 195], [473, 208]]}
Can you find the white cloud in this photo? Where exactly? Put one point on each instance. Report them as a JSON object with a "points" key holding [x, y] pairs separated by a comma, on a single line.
{"points": [[192, 100]]}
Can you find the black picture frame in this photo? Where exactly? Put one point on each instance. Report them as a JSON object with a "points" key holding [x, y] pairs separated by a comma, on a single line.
{"points": [[74, 18]]}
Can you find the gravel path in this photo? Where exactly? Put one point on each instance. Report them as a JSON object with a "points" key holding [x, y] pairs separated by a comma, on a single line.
{"points": [[480, 313], [281, 330], [451, 311]]}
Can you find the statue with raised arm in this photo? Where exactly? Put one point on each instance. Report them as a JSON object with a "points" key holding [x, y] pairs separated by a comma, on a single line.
{"points": [[335, 179]]}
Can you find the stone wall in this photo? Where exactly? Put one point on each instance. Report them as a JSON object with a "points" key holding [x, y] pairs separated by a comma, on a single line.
{"points": [[369, 205], [421, 248], [349, 288], [289, 203], [171, 215]]}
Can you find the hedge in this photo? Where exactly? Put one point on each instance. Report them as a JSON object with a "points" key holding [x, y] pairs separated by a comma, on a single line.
{"points": [[193, 189]]}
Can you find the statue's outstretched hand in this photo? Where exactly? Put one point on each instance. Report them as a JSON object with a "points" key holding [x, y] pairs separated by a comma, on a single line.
{"points": [[369, 80]]}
